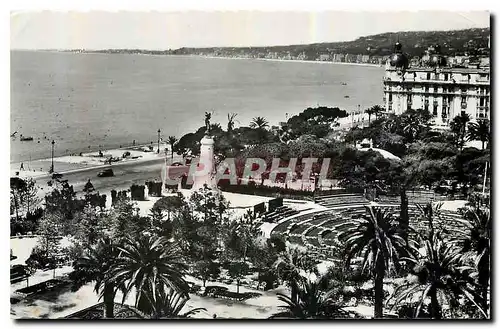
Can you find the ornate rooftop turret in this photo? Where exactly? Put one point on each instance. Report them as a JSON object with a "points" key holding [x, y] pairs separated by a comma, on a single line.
{"points": [[436, 59], [398, 59]]}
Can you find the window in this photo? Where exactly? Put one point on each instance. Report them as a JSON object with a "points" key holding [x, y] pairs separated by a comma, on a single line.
{"points": [[481, 112], [426, 89], [446, 77], [481, 101], [428, 75], [390, 97], [435, 110], [444, 112]]}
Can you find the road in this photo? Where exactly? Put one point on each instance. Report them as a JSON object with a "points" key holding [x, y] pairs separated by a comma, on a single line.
{"points": [[126, 174]]}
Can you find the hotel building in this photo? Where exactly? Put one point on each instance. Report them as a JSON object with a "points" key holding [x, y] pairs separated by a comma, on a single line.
{"points": [[442, 90]]}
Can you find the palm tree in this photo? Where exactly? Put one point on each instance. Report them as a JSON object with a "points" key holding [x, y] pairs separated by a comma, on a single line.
{"points": [[289, 266], [458, 127], [312, 303], [166, 304], [94, 266], [230, 122], [377, 238], [475, 241], [172, 140], [377, 109], [259, 122], [369, 111], [440, 277], [413, 126], [479, 131], [149, 265]]}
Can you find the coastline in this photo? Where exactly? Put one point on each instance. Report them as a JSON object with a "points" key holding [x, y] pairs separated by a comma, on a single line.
{"points": [[280, 60], [205, 56], [62, 158]]}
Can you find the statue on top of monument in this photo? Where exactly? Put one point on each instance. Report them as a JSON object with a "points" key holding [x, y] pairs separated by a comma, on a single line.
{"points": [[208, 115]]}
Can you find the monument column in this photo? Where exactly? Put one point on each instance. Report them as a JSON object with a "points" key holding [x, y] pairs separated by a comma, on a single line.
{"points": [[205, 171]]}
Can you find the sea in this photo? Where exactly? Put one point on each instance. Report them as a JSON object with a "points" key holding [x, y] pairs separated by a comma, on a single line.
{"points": [[87, 101]]}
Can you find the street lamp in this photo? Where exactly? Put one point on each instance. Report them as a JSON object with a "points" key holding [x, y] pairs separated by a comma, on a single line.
{"points": [[52, 165], [158, 141]]}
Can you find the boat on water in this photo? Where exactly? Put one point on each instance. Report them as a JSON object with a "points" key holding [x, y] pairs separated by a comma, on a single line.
{"points": [[26, 138], [344, 84], [346, 96]]}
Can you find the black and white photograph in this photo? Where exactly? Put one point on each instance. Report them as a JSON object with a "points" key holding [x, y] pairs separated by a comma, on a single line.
{"points": [[244, 164]]}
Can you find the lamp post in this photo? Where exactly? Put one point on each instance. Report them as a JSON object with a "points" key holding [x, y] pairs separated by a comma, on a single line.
{"points": [[52, 165], [158, 141]]}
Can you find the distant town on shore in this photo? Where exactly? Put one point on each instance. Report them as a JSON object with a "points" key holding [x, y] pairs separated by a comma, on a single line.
{"points": [[470, 46]]}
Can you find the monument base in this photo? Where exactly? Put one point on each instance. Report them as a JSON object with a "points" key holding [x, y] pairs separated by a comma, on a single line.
{"points": [[205, 171]]}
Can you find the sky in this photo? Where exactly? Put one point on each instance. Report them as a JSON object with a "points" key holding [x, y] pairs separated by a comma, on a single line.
{"points": [[170, 30]]}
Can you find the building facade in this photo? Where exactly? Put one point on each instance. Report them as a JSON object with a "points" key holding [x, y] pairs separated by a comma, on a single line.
{"points": [[444, 91]]}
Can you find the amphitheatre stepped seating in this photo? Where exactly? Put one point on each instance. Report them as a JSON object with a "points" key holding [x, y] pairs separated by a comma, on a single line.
{"points": [[389, 199], [278, 214], [338, 200], [318, 231]]}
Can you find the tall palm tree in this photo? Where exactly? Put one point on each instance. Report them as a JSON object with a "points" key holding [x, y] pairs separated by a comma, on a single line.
{"points": [[259, 123], [230, 122], [458, 127], [479, 131], [312, 303], [440, 277], [172, 140], [166, 304], [377, 238], [94, 266], [474, 239], [148, 265], [289, 266]]}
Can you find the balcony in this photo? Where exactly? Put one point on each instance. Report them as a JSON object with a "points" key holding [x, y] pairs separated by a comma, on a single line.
{"points": [[483, 80]]}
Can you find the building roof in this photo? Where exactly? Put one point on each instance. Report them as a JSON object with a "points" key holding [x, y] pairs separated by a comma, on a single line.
{"points": [[384, 153], [464, 70]]}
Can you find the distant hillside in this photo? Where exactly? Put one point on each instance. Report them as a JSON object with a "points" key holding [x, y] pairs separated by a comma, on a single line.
{"points": [[414, 44], [369, 49]]}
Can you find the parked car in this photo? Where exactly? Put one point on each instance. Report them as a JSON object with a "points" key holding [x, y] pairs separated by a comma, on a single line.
{"points": [[106, 173]]}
